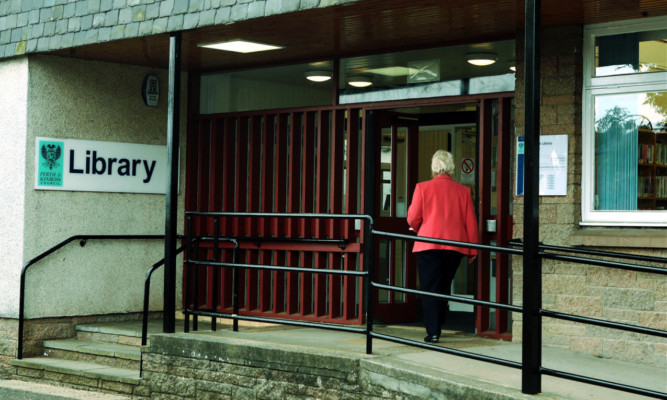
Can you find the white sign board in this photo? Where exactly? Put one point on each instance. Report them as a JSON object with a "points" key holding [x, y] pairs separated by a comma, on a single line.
{"points": [[468, 170], [553, 165], [93, 166]]}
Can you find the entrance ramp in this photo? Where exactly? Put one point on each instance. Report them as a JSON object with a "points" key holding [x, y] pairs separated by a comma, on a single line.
{"points": [[278, 361]]}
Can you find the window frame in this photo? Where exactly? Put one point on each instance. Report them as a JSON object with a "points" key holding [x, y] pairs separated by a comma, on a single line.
{"points": [[610, 85]]}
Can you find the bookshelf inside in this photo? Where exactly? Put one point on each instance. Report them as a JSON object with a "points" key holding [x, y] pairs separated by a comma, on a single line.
{"points": [[652, 170]]}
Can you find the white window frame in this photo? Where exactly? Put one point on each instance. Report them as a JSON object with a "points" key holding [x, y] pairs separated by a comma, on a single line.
{"points": [[609, 85]]}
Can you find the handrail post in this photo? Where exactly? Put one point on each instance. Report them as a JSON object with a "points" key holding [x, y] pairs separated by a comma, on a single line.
{"points": [[171, 218], [216, 271], [188, 275], [532, 264], [368, 287], [235, 290]]}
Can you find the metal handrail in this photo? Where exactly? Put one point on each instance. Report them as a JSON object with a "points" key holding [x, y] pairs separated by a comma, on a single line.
{"points": [[369, 284], [147, 289], [83, 239], [602, 253]]}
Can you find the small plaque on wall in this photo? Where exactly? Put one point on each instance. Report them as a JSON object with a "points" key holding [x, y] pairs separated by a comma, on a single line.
{"points": [[150, 90]]}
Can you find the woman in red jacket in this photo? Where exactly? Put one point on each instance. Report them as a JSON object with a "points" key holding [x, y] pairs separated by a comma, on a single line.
{"points": [[443, 209]]}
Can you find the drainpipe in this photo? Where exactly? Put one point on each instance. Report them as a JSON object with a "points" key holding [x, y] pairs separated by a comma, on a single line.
{"points": [[171, 218], [532, 264]]}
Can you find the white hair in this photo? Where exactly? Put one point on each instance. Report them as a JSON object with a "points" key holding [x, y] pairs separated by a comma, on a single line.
{"points": [[442, 163]]}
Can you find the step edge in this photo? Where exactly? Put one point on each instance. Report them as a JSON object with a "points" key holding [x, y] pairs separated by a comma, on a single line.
{"points": [[78, 368], [123, 351]]}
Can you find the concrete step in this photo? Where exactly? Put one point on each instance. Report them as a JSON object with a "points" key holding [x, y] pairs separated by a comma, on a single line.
{"points": [[81, 375], [126, 333], [104, 353]]}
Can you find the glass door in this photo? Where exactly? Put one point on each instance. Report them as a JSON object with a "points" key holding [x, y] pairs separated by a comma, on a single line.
{"points": [[396, 153], [495, 215]]}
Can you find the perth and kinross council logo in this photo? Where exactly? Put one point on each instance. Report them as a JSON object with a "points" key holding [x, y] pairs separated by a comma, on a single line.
{"points": [[51, 153], [50, 165]]}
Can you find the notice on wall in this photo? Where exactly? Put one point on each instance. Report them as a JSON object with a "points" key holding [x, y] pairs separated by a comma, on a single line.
{"points": [[553, 165], [95, 166], [468, 170]]}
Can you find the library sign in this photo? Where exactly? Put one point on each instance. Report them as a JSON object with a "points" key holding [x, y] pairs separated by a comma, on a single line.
{"points": [[93, 166]]}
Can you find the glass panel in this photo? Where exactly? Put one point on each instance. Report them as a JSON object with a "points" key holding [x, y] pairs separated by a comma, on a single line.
{"points": [[494, 158], [493, 296], [265, 88], [426, 73], [384, 269], [385, 165], [399, 270], [631, 151], [402, 172], [631, 53]]}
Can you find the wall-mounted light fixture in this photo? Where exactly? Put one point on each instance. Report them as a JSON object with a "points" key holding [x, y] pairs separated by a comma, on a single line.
{"points": [[318, 76], [360, 81], [481, 59], [240, 46], [513, 65]]}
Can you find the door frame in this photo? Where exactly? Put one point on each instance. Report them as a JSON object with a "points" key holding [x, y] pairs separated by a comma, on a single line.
{"points": [[504, 221]]}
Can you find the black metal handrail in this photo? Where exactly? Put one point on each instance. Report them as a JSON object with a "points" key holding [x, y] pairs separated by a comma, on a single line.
{"points": [[83, 239], [147, 290], [545, 251]]}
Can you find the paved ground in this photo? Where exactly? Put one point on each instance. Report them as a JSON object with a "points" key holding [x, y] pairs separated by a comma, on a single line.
{"points": [[455, 368], [19, 390]]}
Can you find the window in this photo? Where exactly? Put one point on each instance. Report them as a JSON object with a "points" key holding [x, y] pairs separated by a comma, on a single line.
{"points": [[624, 178]]}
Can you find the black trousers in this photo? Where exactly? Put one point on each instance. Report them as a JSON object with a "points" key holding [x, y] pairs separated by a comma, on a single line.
{"points": [[436, 272]]}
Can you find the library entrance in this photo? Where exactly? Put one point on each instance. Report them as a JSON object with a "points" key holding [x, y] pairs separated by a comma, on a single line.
{"points": [[477, 133]]}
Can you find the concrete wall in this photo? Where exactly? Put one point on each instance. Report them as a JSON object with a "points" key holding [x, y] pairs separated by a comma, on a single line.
{"points": [[597, 292], [13, 120], [36, 26], [186, 366], [103, 102]]}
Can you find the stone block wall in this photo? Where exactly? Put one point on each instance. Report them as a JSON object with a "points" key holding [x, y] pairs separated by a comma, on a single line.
{"points": [[596, 292], [37, 26], [189, 366]]}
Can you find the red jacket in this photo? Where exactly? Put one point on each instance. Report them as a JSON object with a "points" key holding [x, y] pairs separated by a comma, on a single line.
{"points": [[443, 209]]}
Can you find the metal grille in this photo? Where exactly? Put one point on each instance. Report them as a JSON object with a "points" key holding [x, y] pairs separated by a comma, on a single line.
{"points": [[294, 161]]}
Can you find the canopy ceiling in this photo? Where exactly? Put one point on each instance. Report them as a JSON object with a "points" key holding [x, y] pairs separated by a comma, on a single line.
{"points": [[363, 27]]}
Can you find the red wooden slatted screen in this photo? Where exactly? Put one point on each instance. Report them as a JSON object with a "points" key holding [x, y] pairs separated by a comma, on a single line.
{"points": [[294, 161]]}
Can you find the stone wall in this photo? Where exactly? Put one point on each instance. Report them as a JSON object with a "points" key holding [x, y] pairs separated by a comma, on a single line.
{"points": [[189, 366], [597, 292], [36, 26]]}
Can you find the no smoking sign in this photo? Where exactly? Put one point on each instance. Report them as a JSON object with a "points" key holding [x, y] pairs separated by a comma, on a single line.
{"points": [[468, 170]]}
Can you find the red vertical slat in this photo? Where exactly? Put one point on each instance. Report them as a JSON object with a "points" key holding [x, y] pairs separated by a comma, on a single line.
{"points": [[293, 196], [214, 205], [483, 190], [192, 189], [266, 205], [362, 210], [204, 228], [307, 187], [335, 206], [229, 172], [280, 205], [253, 192], [503, 187], [321, 181], [351, 179], [240, 197]]}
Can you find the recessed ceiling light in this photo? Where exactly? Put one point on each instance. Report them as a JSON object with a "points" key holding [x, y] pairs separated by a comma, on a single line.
{"points": [[360, 81], [318, 76], [481, 59], [240, 46]]}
